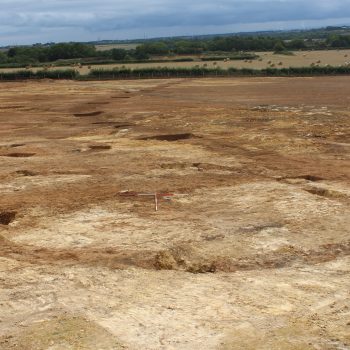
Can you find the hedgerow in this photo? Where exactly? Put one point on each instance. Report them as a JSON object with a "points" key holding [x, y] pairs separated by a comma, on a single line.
{"points": [[172, 72]]}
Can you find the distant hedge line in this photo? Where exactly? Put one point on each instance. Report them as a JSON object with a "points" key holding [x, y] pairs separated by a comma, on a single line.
{"points": [[41, 74], [210, 72], [237, 57], [167, 72], [94, 61]]}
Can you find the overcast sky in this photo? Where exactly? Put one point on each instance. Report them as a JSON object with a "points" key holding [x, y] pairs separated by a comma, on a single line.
{"points": [[32, 21]]}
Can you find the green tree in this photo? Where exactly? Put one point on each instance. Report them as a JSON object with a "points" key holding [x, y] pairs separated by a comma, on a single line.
{"points": [[70, 50], [156, 48], [118, 54], [297, 44], [189, 47], [140, 53], [3, 57], [279, 47]]}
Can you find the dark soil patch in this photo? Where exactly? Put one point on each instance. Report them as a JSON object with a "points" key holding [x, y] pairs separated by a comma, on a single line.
{"points": [[12, 107], [103, 123], [90, 114], [17, 145], [258, 228], [100, 147], [120, 96], [6, 217], [185, 260], [253, 120], [310, 178], [20, 155], [170, 138], [215, 167], [323, 192], [176, 258], [175, 165], [116, 125], [25, 173], [119, 126], [198, 166]]}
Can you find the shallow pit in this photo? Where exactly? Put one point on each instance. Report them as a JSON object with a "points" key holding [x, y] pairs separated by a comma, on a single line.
{"points": [[170, 137], [25, 173], [323, 192], [6, 217], [103, 123], [116, 125], [119, 126], [311, 178], [19, 155], [100, 147], [17, 145], [88, 114], [12, 107], [98, 103]]}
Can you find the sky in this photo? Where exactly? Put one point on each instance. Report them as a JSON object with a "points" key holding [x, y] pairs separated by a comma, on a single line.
{"points": [[41, 21]]}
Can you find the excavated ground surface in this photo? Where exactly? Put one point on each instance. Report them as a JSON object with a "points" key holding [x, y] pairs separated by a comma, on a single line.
{"points": [[252, 252]]}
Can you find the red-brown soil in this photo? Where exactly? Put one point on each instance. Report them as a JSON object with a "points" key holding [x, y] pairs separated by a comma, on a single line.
{"points": [[251, 252]]}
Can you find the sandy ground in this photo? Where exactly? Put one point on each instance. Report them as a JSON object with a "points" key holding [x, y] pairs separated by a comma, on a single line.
{"points": [[267, 59], [252, 251]]}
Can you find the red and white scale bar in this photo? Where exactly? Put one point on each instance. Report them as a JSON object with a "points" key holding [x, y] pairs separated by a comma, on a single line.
{"points": [[155, 195]]}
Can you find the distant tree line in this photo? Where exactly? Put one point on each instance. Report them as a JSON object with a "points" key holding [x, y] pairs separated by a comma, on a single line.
{"points": [[240, 43], [39, 54], [22, 56], [338, 41], [65, 51]]}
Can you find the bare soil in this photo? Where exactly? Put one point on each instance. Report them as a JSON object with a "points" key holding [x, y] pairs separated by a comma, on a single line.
{"points": [[250, 249]]}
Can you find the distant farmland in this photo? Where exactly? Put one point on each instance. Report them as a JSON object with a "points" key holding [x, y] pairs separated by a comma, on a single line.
{"points": [[116, 46], [267, 59]]}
